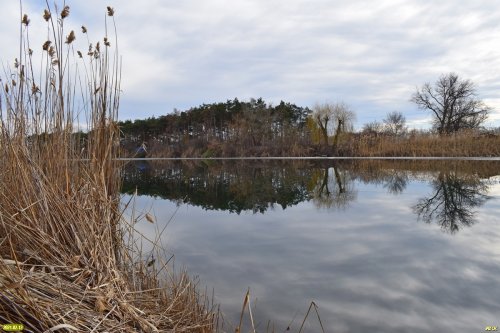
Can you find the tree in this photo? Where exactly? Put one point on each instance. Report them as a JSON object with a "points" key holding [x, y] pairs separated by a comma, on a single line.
{"points": [[372, 128], [453, 102], [395, 123], [333, 119]]}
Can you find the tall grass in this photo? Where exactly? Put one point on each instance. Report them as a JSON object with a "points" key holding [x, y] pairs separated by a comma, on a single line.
{"points": [[63, 260], [467, 143]]}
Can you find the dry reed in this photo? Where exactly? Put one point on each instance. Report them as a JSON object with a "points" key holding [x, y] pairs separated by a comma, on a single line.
{"points": [[64, 264], [467, 143]]}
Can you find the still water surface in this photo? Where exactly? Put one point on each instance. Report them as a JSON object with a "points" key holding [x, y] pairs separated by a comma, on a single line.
{"points": [[379, 246]]}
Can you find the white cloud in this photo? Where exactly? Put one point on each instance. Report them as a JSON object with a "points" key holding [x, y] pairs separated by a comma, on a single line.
{"points": [[371, 55]]}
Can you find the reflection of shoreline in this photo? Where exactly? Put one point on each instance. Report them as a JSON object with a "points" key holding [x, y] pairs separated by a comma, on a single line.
{"points": [[238, 186]]}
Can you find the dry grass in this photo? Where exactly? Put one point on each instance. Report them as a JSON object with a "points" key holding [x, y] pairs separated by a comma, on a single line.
{"points": [[462, 144], [64, 262]]}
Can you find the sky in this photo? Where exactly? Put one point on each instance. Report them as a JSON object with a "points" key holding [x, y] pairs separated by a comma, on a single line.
{"points": [[371, 55]]}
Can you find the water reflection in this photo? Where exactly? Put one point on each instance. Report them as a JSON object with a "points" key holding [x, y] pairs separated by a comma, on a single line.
{"points": [[454, 201], [397, 181], [332, 188], [341, 233], [229, 186], [460, 187]]}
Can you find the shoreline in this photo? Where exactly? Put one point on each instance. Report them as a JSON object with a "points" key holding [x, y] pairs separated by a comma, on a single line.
{"points": [[424, 158]]}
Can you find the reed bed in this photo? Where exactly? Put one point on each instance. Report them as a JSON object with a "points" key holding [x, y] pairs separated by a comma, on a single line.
{"points": [[65, 262], [467, 143]]}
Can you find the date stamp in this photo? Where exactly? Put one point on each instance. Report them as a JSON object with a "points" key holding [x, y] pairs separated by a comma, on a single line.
{"points": [[12, 327], [491, 328]]}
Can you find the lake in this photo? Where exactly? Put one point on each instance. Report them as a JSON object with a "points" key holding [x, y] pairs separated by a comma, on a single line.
{"points": [[378, 245]]}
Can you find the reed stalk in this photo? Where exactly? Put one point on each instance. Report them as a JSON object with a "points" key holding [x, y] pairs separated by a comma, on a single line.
{"points": [[64, 264]]}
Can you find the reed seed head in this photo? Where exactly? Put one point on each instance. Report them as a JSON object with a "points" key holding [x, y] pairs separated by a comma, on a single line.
{"points": [[79, 54], [6, 88], [106, 42], [111, 11], [52, 52], [30, 52], [97, 47], [71, 37], [16, 63], [14, 83], [65, 12], [26, 20], [34, 89], [84, 29], [46, 45], [150, 218], [46, 15]]}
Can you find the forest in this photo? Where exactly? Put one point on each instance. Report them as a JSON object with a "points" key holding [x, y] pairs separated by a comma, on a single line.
{"points": [[231, 128], [256, 128]]}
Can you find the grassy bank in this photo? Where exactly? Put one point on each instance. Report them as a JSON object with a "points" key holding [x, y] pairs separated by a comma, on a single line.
{"points": [[64, 261], [473, 143]]}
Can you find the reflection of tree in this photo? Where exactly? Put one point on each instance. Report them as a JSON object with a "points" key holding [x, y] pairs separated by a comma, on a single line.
{"points": [[257, 186], [396, 181], [393, 179], [453, 201], [333, 189], [234, 188]]}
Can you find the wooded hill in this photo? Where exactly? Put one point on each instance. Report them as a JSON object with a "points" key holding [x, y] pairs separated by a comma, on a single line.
{"points": [[255, 128], [231, 128]]}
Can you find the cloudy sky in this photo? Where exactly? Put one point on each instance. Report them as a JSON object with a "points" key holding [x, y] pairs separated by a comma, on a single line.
{"points": [[370, 54]]}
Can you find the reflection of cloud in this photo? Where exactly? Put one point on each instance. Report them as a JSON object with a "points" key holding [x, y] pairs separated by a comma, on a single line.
{"points": [[494, 189], [371, 267]]}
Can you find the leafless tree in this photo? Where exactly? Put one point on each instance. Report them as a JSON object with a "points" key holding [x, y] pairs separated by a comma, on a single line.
{"points": [[453, 102], [372, 128], [395, 123], [333, 119]]}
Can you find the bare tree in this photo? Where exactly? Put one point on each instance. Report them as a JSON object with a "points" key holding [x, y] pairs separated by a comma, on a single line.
{"points": [[453, 103], [372, 128], [322, 115], [395, 123], [333, 119]]}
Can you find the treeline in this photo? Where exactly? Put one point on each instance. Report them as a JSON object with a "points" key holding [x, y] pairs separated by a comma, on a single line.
{"points": [[231, 128], [256, 128]]}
